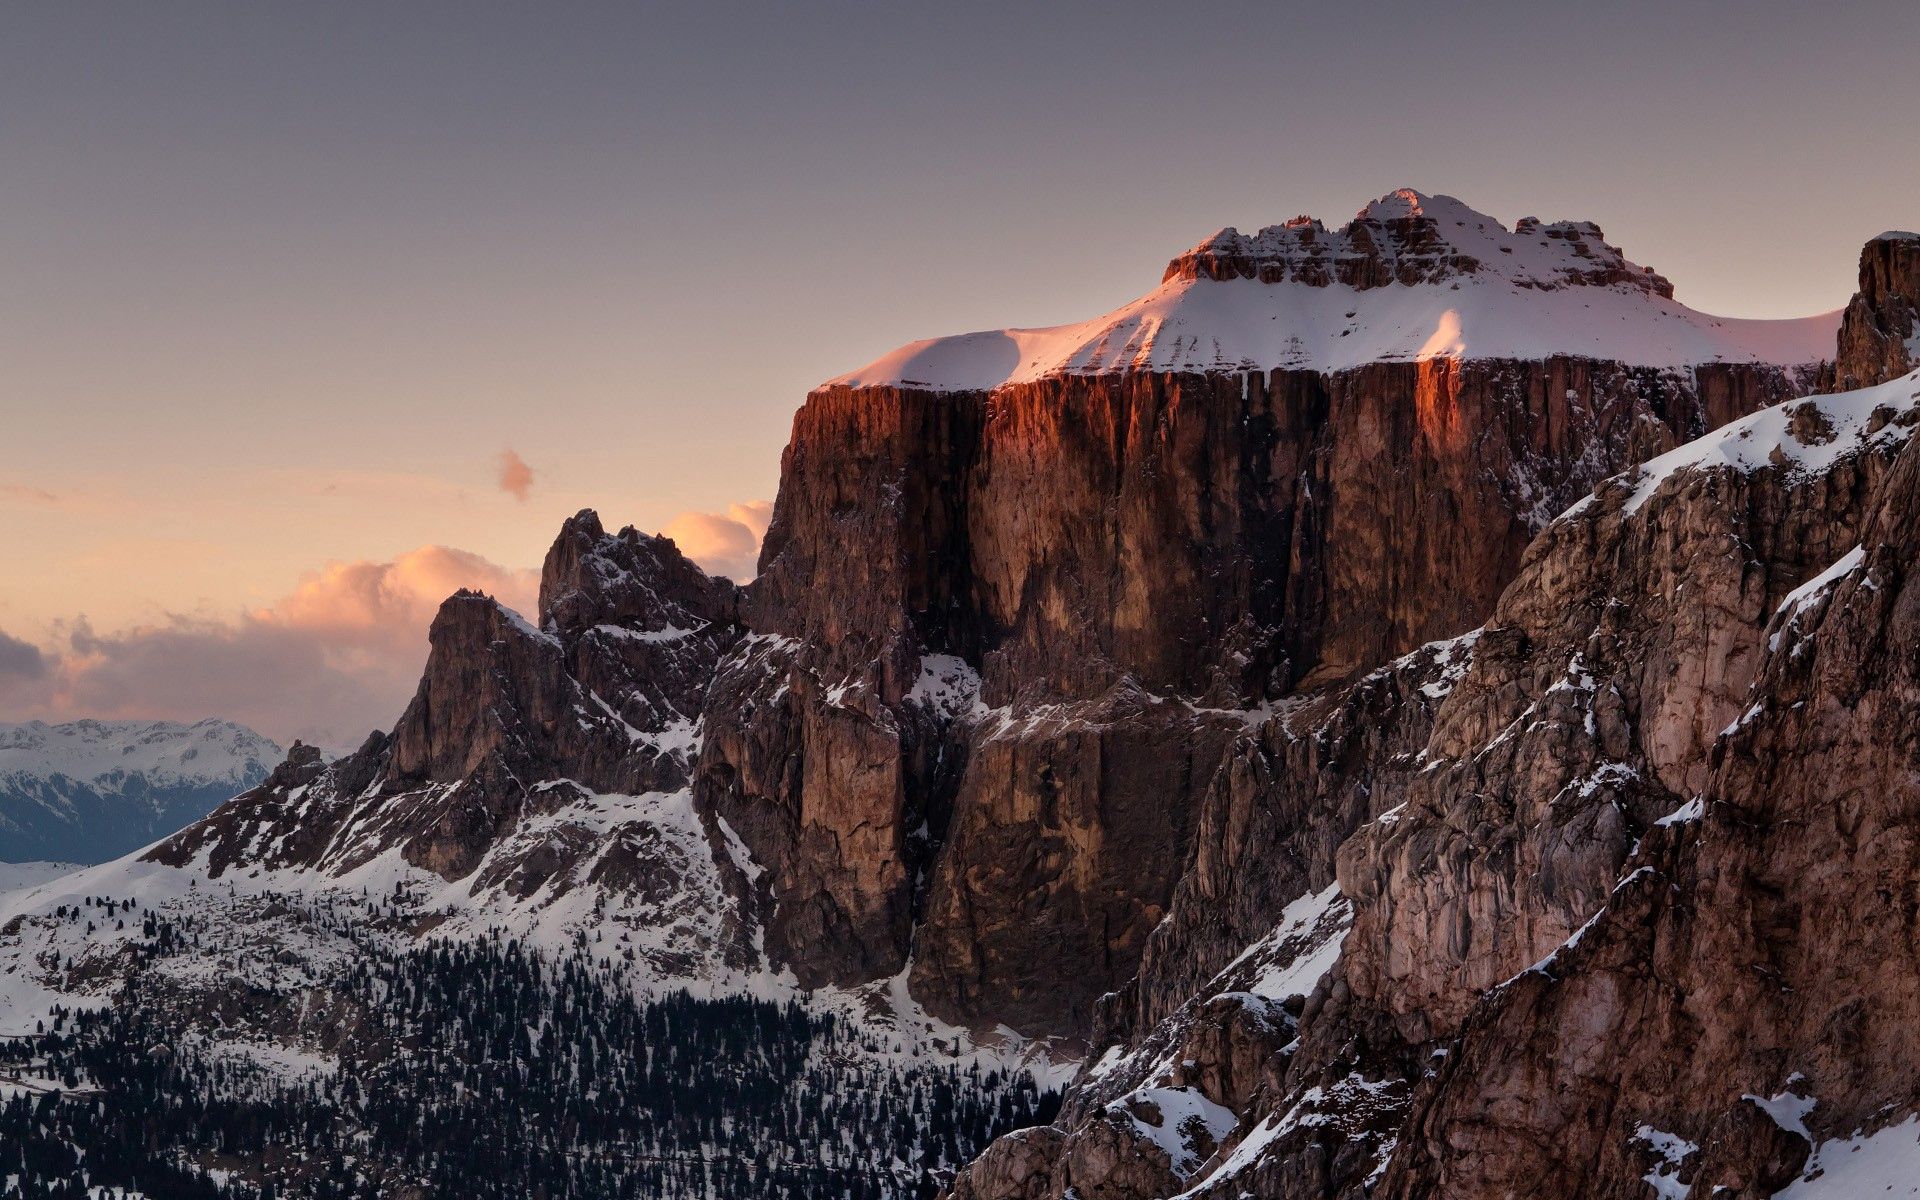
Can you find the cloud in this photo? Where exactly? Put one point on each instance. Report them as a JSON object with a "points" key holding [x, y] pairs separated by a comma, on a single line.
{"points": [[516, 477], [723, 543], [20, 660], [337, 657], [383, 600], [34, 495]]}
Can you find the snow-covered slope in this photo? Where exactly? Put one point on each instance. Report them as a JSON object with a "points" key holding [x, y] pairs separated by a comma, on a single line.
{"points": [[1885, 1164], [1413, 277], [18, 877], [91, 790], [266, 985], [646, 894], [1805, 437]]}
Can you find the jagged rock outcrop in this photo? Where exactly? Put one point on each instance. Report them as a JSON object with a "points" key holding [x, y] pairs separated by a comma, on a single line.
{"points": [[1625, 645], [1058, 860], [1254, 924], [607, 691], [1748, 990], [1880, 331], [510, 722], [835, 784], [1287, 794], [1587, 717], [1408, 238], [1019, 1166]]}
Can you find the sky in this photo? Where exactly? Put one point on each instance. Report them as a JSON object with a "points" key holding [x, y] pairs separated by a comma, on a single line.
{"points": [[310, 313]]}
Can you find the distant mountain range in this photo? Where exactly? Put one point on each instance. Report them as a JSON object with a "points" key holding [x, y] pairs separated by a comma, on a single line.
{"points": [[89, 791]]}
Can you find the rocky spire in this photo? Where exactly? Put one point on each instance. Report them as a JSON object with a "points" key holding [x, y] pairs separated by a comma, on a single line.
{"points": [[1880, 333], [630, 578]]}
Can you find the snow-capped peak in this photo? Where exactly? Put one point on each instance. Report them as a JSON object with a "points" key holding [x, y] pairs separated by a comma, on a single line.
{"points": [[1408, 237], [1402, 203], [1412, 277]]}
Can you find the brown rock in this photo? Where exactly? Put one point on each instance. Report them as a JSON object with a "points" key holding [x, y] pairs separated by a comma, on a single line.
{"points": [[1763, 950], [1019, 1166], [1218, 540], [604, 698], [1880, 332], [1611, 664]]}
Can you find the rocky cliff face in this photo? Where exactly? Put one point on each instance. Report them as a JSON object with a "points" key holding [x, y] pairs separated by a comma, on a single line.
{"points": [[1746, 995], [1489, 812], [1002, 635], [1627, 642], [1111, 558]]}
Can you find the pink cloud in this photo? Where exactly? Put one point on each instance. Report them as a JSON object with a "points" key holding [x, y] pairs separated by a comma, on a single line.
{"points": [[336, 658], [380, 600], [32, 495], [723, 543], [516, 477]]}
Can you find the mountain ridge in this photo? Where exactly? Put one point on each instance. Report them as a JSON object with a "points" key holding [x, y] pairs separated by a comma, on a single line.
{"points": [[90, 790]]}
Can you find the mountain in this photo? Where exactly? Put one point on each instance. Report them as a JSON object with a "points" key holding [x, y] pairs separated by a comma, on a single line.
{"points": [[1470, 821], [1337, 709], [1492, 808], [89, 791], [518, 872], [1412, 277], [1140, 534]]}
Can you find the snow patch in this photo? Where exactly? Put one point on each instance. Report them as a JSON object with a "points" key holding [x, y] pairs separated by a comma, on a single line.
{"points": [[1674, 1152], [1304, 945], [1788, 1111], [1692, 810], [1809, 591], [1883, 1164], [1184, 1116], [1452, 657], [948, 686]]}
